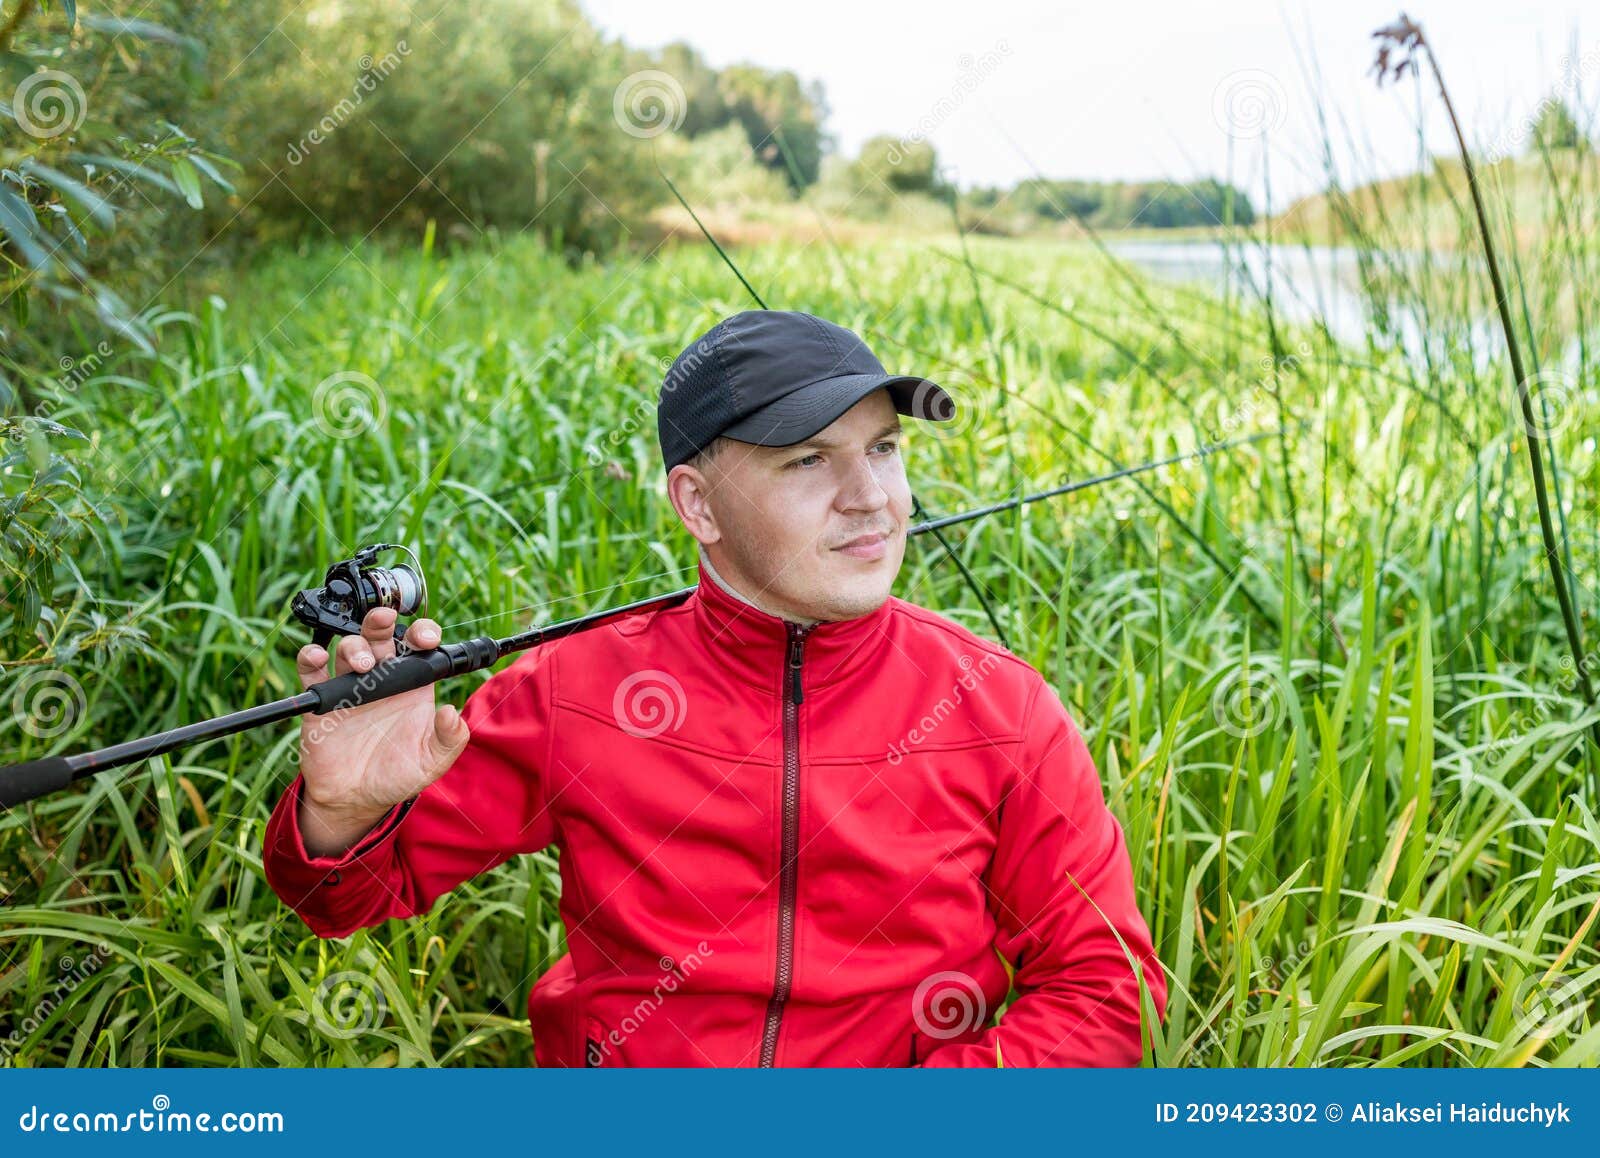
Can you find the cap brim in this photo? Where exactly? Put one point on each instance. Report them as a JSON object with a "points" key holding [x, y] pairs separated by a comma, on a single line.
{"points": [[798, 415]]}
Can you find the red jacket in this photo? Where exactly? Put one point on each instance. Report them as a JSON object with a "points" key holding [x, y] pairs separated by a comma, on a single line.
{"points": [[779, 846]]}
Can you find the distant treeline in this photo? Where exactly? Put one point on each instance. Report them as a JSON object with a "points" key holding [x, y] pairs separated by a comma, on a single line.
{"points": [[154, 134], [1115, 204]]}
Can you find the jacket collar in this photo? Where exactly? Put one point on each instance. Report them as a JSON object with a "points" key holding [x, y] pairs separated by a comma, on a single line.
{"points": [[752, 644]]}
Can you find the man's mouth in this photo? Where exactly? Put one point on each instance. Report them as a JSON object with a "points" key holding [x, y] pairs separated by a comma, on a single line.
{"points": [[872, 546]]}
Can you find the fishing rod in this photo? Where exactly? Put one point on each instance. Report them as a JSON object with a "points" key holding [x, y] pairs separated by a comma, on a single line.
{"points": [[354, 586]]}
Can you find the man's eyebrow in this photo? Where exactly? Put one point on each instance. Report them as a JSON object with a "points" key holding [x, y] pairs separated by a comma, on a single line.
{"points": [[830, 444]]}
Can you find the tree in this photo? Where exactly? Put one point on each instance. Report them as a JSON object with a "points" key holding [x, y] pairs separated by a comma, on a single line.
{"points": [[767, 102], [1555, 127]]}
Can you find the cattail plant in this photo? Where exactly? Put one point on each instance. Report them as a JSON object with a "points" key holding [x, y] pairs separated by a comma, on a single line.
{"points": [[1398, 46]]}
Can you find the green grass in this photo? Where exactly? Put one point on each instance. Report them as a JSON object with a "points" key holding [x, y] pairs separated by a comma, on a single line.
{"points": [[1324, 686]]}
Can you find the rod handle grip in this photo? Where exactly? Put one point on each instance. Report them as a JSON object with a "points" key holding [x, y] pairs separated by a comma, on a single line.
{"points": [[24, 782], [403, 673]]}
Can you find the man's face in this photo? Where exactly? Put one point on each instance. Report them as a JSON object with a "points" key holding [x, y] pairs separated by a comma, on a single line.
{"points": [[811, 531]]}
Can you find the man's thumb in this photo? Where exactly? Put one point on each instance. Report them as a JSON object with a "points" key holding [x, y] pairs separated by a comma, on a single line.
{"points": [[447, 740]]}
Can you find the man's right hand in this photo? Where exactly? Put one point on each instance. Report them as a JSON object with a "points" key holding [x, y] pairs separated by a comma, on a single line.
{"points": [[360, 762]]}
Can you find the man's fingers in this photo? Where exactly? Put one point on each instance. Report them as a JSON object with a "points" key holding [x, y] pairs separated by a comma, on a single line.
{"points": [[311, 661], [352, 654], [447, 739], [377, 629], [423, 634]]}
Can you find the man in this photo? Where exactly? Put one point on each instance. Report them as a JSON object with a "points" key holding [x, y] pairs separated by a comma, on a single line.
{"points": [[801, 821]]}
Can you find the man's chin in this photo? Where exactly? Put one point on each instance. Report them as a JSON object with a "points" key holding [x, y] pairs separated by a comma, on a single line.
{"points": [[862, 589]]}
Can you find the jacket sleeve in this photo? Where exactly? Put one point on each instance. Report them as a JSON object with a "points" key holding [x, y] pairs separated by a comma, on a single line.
{"points": [[1078, 997], [490, 805]]}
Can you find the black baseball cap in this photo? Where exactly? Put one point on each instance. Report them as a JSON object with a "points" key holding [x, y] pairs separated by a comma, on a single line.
{"points": [[775, 378]]}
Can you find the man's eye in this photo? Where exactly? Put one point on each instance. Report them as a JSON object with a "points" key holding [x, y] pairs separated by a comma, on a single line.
{"points": [[890, 443], [803, 461]]}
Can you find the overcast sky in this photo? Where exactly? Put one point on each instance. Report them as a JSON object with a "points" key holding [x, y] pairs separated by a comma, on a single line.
{"points": [[1005, 89]]}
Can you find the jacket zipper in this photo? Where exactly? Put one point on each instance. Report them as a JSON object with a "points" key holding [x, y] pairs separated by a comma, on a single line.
{"points": [[792, 697]]}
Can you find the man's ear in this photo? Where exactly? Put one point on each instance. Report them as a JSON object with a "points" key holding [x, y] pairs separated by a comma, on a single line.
{"points": [[690, 491]]}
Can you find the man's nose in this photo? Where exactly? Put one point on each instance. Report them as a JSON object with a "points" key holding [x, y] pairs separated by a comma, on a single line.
{"points": [[862, 491]]}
